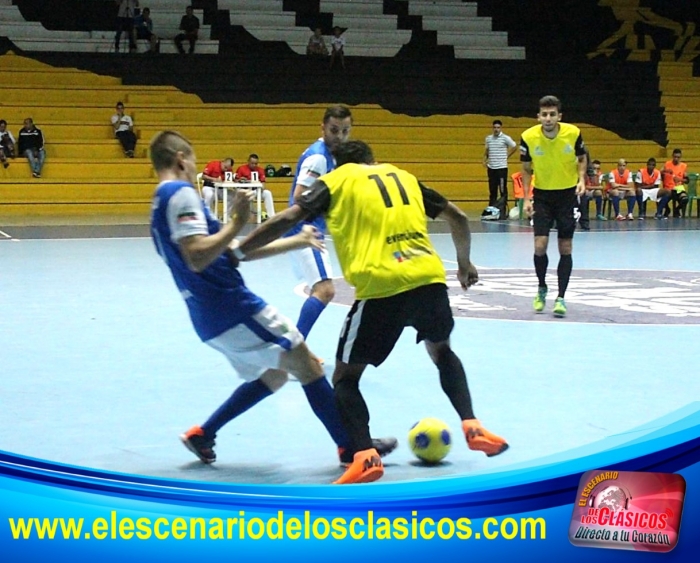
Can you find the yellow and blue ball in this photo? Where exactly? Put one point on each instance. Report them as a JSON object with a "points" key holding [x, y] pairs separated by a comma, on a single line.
{"points": [[430, 440]]}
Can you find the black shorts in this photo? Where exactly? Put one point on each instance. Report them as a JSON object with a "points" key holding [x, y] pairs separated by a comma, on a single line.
{"points": [[554, 207], [373, 326]]}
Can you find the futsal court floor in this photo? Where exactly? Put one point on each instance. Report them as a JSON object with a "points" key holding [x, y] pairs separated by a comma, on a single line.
{"points": [[100, 366]]}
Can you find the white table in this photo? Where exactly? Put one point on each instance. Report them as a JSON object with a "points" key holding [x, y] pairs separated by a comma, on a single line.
{"points": [[226, 186]]}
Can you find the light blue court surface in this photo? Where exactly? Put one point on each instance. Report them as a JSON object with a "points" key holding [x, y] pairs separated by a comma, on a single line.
{"points": [[100, 367]]}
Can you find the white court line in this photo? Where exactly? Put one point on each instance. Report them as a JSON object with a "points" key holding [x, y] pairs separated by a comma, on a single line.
{"points": [[8, 237], [67, 239]]}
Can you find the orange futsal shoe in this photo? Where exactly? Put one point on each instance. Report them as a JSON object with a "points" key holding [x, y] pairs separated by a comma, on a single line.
{"points": [[366, 467], [200, 445], [480, 439]]}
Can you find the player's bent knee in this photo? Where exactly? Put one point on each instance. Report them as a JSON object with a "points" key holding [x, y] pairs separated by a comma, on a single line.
{"points": [[566, 243], [301, 364], [541, 245], [274, 379], [324, 291], [437, 350], [347, 373]]}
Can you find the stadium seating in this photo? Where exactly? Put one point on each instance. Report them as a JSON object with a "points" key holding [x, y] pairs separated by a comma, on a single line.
{"points": [[33, 36], [370, 29], [85, 172], [423, 109]]}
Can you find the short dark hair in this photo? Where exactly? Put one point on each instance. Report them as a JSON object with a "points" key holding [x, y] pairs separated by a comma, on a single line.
{"points": [[338, 111], [677, 151], [120, 103], [357, 152], [550, 102], [253, 155], [164, 148], [3, 122], [596, 162], [497, 122], [652, 160]]}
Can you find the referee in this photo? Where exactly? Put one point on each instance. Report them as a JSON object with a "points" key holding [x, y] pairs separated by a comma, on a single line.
{"points": [[498, 147]]}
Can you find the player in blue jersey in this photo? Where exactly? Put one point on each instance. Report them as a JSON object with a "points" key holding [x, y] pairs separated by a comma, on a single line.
{"points": [[262, 345], [313, 265]]}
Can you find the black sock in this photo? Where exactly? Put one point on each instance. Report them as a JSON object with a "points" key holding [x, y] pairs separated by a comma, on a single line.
{"points": [[454, 383], [566, 264], [541, 263], [353, 412]]}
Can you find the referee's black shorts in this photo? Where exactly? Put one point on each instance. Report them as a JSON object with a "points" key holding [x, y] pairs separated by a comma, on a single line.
{"points": [[373, 326], [554, 207]]}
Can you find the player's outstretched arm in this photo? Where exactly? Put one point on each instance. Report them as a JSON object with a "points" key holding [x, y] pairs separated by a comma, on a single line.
{"points": [[271, 230], [308, 237], [461, 238]]}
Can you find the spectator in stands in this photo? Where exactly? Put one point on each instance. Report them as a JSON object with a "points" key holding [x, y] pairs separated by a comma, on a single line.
{"points": [[124, 130], [189, 25], [594, 190], [251, 172], [126, 9], [7, 144], [674, 175], [143, 29], [622, 185], [498, 148], [216, 171], [30, 143], [338, 46], [648, 183], [317, 46]]}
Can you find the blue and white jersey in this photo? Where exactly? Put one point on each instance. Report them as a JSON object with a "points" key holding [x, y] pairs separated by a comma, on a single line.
{"points": [[315, 161], [217, 297]]}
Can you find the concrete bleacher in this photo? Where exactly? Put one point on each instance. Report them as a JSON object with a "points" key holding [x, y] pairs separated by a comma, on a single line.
{"points": [[86, 173], [458, 24], [367, 34], [33, 36], [370, 31], [360, 43], [681, 102], [352, 8], [459, 99]]}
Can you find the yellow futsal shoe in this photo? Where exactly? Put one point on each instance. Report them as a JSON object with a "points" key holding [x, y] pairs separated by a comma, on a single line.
{"points": [[559, 307], [538, 302]]}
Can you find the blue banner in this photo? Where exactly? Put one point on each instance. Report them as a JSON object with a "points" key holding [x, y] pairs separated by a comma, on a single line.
{"points": [[51, 511]]}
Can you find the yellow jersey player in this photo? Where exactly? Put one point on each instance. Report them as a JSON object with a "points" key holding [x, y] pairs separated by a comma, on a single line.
{"points": [[376, 214], [557, 152]]}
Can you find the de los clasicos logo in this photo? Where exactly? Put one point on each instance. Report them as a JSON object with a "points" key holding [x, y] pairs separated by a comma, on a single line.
{"points": [[628, 510]]}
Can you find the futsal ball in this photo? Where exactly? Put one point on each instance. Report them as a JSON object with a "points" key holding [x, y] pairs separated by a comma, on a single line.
{"points": [[430, 440], [514, 214]]}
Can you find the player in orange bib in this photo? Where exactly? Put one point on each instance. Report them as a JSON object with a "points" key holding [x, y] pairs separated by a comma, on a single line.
{"points": [[674, 177]]}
